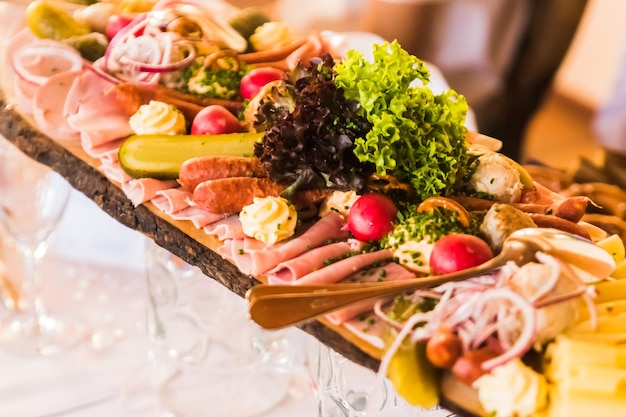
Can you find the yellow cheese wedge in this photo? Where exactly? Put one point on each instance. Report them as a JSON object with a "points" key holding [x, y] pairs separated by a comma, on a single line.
{"points": [[614, 246]]}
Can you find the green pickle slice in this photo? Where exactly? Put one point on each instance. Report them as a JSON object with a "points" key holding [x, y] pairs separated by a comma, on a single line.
{"points": [[47, 21], [160, 156], [412, 375]]}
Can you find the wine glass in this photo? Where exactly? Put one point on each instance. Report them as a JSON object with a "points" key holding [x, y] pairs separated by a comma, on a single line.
{"points": [[32, 201]]}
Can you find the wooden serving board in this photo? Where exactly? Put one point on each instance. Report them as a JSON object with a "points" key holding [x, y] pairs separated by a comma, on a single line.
{"points": [[179, 237]]}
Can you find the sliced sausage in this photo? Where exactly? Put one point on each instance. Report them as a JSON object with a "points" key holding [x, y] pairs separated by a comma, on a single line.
{"points": [[546, 220], [230, 195], [196, 170]]}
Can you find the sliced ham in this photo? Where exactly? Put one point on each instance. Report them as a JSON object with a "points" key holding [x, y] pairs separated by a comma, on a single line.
{"points": [[95, 115], [258, 261], [113, 171], [367, 327], [237, 251], [199, 217], [293, 269], [106, 151], [390, 272], [228, 228], [144, 189], [171, 200], [48, 103], [342, 269], [23, 99]]}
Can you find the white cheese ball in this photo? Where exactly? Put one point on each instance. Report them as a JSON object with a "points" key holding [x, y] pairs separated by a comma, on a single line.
{"points": [[497, 176]]}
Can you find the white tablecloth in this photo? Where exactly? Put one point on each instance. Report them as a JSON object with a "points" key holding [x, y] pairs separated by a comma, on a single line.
{"points": [[98, 265]]}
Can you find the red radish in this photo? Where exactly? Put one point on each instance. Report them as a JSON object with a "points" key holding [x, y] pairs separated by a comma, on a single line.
{"points": [[458, 251], [215, 120], [254, 80], [115, 23], [371, 217]]}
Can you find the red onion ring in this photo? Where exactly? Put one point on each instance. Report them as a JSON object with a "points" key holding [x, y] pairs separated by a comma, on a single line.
{"points": [[525, 339], [128, 31]]}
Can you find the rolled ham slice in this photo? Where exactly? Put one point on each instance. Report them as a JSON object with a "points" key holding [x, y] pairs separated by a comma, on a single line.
{"points": [[368, 328], [256, 261], [342, 269], [144, 189], [90, 111], [228, 228], [113, 171], [106, 151], [313, 260], [390, 272], [171, 200], [199, 217], [48, 104]]}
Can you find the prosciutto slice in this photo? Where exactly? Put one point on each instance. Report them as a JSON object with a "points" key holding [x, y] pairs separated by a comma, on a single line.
{"points": [[390, 272], [342, 269], [313, 260], [256, 261]]}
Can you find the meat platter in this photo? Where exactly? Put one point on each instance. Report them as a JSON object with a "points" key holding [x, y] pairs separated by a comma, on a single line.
{"points": [[179, 237], [326, 127]]}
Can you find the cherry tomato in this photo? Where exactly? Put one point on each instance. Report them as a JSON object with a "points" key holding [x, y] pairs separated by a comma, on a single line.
{"points": [[215, 120], [116, 23], [458, 251], [254, 80], [371, 217]]}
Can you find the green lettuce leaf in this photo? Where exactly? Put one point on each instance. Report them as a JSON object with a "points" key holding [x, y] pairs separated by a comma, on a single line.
{"points": [[416, 135]]}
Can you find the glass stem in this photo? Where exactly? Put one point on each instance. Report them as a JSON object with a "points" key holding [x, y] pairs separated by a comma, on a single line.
{"points": [[32, 282]]}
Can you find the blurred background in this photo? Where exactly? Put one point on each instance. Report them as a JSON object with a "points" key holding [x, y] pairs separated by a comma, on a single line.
{"points": [[537, 72]]}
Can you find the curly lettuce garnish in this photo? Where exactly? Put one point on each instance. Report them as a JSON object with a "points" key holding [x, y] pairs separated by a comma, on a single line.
{"points": [[310, 142], [416, 135]]}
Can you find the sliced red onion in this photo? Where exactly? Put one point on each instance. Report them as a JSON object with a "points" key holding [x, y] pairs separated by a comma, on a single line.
{"points": [[526, 337], [125, 33], [168, 66]]}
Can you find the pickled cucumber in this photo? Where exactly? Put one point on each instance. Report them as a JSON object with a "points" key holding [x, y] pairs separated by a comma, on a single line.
{"points": [[50, 22], [413, 376], [90, 46], [247, 20], [160, 156]]}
